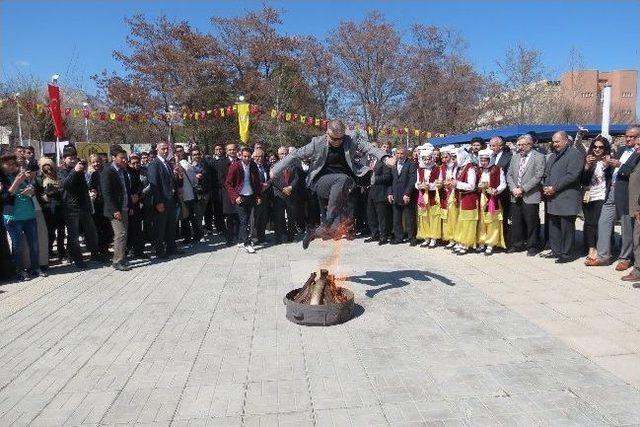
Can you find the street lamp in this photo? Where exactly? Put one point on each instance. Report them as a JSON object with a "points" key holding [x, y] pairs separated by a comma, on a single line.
{"points": [[85, 112], [17, 96], [171, 107], [241, 98]]}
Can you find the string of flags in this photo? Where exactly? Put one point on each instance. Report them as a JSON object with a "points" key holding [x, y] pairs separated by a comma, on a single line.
{"points": [[215, 113]]}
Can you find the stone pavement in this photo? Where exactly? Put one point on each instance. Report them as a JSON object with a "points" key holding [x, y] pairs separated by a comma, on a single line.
{"points": [[438, 340]]}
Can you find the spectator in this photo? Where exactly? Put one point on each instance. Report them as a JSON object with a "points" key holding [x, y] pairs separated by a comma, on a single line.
{"points": [[616, 205], [19, 216], [402, 196], [243, 189], [117, 203], [228, 208], [285, 200], [51, 202], [76, 204], [501, 156], [596, 181], [103, 225], [379, 212], [135, 235], [562, 188], [262, 211], [163, 187]]}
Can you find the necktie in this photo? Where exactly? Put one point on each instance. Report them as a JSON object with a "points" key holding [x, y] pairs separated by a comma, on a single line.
{"points": [[285, 177], [523, 160]]}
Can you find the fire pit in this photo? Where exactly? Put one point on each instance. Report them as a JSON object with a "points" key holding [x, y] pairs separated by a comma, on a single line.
{"points": [[320, 302]]}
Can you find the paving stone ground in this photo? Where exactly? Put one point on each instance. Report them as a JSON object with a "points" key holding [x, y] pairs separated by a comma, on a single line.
{"points": [[438, 340]]}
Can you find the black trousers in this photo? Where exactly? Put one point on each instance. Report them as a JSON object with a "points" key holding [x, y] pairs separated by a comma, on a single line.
{"points": [[104, 230], [191, 226], [591, 212], [285, 215], [562, 232], [135, 238], [244, 211], [73, 221], [55, 230], [218, 212], [262, 213], [525, 225], [335, 189], [164, 228], [404, 215], [505, 202], [378, 218]]}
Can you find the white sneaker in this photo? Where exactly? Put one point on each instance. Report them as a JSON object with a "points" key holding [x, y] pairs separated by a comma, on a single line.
{"points": [[461, 251], [449, 245], [250, 249], [240, 245], [424, 244], [488, 251], [432, 243]]}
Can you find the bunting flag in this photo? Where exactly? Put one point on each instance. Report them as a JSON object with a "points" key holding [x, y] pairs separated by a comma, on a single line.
{"points": [[55, 110]]}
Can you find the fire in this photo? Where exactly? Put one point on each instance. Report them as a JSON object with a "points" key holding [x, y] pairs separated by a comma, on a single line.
{"points": [[334, 236]]}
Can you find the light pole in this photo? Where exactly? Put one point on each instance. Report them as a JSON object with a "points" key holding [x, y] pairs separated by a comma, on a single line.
{"points": [[17, 96], [85, 112], [171, 107]]}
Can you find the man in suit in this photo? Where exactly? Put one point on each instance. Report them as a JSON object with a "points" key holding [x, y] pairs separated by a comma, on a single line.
{"points": [[163, 187], [262, 212], [331, 173], [103, 225], [213, 211], [524, 178], [286, 190], [502, 157], [617, 205], [76, 205], [562, 189], [229, 212], [116, 191], [135, 237], [378, 207], [402, 196], [244, 188], [634, 213]]}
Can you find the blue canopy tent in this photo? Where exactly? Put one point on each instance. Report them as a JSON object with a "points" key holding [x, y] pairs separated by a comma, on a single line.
{"points": [[544, 133]]}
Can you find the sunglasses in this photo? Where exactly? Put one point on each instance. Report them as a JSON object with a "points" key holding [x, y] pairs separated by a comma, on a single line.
{"points": [[598, 147]]}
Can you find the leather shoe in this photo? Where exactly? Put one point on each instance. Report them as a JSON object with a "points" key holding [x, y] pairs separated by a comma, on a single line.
{"points": [[532, 252], [121, 267], [550, 255], [634, 276], [563, 260], [623, 265], [371, 239], [413, 242], [382, 242], [395, 242], [594, 262], [514, 249]]}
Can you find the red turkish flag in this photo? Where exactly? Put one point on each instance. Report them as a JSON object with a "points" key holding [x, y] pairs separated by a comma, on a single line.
{"points": [[56, 110]]}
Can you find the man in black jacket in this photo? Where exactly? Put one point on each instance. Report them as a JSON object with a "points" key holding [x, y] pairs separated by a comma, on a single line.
{"points": [[116, 191], [232, 221], [286, 200], [402, 195], [378, 207], [135, 236], [502, 157], [103, 225], [163, 188], [77, 207]]}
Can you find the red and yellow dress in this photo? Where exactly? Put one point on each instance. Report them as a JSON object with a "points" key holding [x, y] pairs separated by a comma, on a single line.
{"points": [[422, 220], [436, 198], [490, 230], [449, 205], [468, 200]]}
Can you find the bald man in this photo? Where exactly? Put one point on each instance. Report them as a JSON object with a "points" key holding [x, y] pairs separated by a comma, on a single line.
{"points": [[333, 167]]}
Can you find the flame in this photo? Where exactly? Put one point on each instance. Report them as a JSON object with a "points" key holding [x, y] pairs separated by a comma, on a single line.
{"points": [[334, 236]]}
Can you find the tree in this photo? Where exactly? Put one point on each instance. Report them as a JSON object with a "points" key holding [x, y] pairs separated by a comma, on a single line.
{"points": [[372, 63], [321, 73]]}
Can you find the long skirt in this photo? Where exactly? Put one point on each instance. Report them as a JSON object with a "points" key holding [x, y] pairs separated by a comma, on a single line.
{"points": [[449, 221], [435, 223], [490, 231], [422, 223], [466, 230]]}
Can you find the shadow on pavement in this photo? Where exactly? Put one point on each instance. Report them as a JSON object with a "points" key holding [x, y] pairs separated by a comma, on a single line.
{"points": [[384, 280]]}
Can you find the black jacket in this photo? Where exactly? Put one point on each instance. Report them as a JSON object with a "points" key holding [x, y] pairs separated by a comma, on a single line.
{"points": [[75, 191], [405, 183], [587, 174], [112, 191], [163, 185], [563, 174], [382, 179], [505, 161], [621, 187], [294, 181]]}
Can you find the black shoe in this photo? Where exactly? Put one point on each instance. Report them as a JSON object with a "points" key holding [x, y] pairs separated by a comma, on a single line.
{"points": [[351, 236], [121, 267], [161, 255], [141, 256], [383, 241], [80, 265], [308, 237], [550, 255], [100, 259], [563, 259], [395, 242], [532, 252], [371, 239], [413, 242]]}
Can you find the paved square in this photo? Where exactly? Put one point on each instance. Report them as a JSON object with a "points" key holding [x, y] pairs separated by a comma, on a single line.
{"points": [[438, 340]]}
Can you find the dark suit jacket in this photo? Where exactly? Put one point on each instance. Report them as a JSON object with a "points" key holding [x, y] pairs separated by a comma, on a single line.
{"points": [[75, 192], [278, 183], [404, 184], [112, 192], [621, 188], [95, 184], [222, 167], [163, 184], [505, 160], [563, 174], [235, 180], [381, 181]]}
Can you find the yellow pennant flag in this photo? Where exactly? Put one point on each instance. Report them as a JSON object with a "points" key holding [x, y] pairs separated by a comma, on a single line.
{"points": [[303, 119], [112, 116], [222, 112], [39, 108], [287, 117], [243, 121], [274, 113], [318, 122]]}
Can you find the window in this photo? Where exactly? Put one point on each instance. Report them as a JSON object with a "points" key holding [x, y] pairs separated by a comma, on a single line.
{"points": [[627, 94]]}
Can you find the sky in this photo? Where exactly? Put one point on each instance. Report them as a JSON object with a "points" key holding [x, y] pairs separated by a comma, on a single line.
{"points": [[76, 39]]}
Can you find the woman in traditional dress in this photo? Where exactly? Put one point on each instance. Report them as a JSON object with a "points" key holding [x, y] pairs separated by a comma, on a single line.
{"points": [[449, 205], [465, 184], [492, 183], [425, 165]]}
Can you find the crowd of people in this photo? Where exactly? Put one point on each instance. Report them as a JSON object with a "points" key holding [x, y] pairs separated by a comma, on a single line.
{"points": [[478, 198]]}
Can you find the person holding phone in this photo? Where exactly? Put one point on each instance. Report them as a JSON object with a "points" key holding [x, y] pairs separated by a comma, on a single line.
{"points": [[596, 180]]}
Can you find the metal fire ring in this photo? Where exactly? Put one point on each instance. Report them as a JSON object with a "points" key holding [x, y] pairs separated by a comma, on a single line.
{"points": [[318, 315]]}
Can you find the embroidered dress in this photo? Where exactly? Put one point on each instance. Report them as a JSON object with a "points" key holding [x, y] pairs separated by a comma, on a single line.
{"points": [[449, 207], [466, 229], [422, 213], [436, 200], [490, 230]]}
